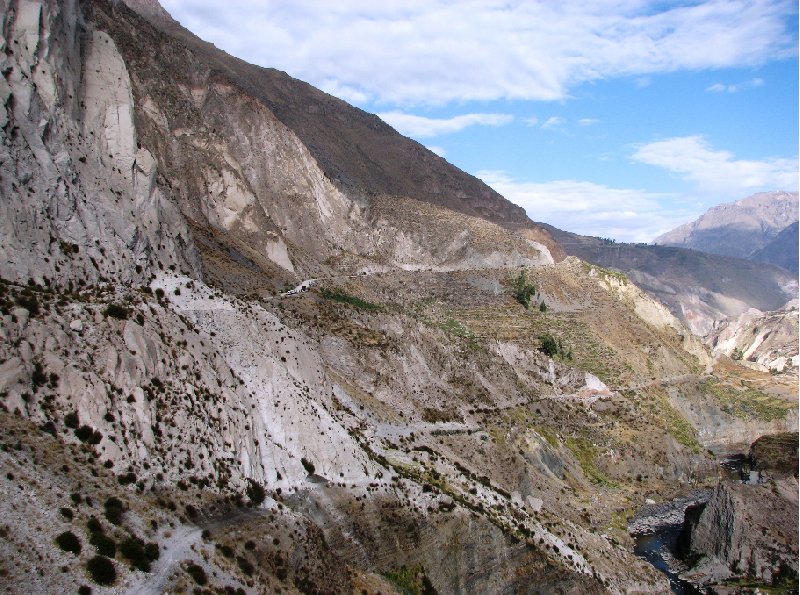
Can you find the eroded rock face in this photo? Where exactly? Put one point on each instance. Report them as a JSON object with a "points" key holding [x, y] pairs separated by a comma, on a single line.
{"points": [[748, 530], [766, 340]]}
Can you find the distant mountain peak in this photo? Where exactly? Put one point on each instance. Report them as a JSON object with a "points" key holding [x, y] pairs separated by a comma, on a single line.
{"points": [[741, 228]]}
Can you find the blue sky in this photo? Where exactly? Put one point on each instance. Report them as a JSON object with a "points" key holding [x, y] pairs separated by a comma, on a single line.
{"points": [[616, 118]]}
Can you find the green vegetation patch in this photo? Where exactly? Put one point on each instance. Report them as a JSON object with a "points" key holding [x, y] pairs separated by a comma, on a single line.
{"points": [[522, 289], [747, 402], [586, 454], [345, 298], [454, 327], [411, 581]]}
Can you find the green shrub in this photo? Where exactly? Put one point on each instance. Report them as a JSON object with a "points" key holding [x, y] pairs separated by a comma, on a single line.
{"points": [[69, 542], [308, 465], [548, 345], [523, 291], [338, 296], [197, 573], [102, 570]]}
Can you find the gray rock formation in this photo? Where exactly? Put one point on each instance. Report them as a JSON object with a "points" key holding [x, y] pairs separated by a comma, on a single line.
{"points": [[748, 531]]}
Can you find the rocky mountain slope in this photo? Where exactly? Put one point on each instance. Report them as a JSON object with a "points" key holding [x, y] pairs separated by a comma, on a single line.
{"points": [[782, 250], [743, 229], [443, 408], [699, 288]]}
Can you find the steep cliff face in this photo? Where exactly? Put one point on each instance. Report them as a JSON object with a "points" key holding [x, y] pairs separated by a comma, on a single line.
{"points": [[81, 198], [748, 531]]}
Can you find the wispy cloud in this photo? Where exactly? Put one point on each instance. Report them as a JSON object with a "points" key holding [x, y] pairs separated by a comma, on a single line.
{"points": [[408, 52], [553, 122], [718, 171], [587, 208], [532, 121], [587, 122], [727, 88], [422, 127]]}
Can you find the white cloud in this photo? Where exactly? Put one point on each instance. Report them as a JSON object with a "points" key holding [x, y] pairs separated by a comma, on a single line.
{"points": [[553, 122], [441, 152], [717, 171], [723, 88], [587, 121], [532, 121], [587, 208], [408, 52], [422, 127]]}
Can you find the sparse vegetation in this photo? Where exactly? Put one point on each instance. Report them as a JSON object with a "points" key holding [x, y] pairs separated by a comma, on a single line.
{"points": [[747, 402], [586, 454], [411, 581], [308, 465]]}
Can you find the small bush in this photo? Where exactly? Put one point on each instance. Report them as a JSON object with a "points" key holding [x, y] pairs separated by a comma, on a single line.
{"points": [[308, 465], [66, 513], [29, 302], [104, 544], [133, 549], [245, 565], [38, 377], [102, 570], [84, 590], [117, 311], [197, 573], [69, 542], [256, 492], [114, 510], [548, 346], [71, 420]]}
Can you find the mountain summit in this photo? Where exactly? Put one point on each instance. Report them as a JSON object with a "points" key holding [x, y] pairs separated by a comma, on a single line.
{"points": [[741, 229]]}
